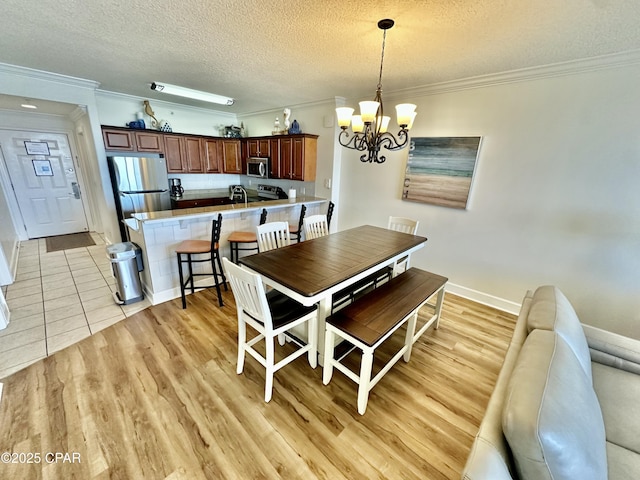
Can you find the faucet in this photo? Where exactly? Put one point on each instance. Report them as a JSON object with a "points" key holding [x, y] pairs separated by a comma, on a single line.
{"points": [[239, 189]]}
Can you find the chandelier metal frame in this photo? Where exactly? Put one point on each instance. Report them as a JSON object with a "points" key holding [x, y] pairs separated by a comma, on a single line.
{"points": [[372, 139]]}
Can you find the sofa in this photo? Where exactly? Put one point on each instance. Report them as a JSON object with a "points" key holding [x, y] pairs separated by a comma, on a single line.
{"points": [[566, 404]]}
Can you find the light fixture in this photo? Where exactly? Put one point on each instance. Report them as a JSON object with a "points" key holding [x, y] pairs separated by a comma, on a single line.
{"points": [[370, 127], [28, 104], [189, 93]]}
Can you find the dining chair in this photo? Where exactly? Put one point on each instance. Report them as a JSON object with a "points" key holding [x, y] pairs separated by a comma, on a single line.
{"points": [[273, 235], [404, 225], [315, 226], [295, 231], [185, 251], [330, 213], [238, 238], [271, 315]]}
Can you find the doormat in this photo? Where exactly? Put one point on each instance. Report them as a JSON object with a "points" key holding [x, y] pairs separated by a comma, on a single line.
{"points": [[66, 242]]}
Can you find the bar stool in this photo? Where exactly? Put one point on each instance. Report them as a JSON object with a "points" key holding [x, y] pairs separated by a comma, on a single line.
{"points": [[239, 237], [201, 247], [296, 230]]}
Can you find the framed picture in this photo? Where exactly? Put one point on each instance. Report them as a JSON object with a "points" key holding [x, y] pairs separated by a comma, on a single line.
{"points": [[42, 168], [36, 148], [440, 170]]}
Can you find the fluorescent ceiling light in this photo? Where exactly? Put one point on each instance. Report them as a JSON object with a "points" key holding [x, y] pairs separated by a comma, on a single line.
{"points": [[28, 105], [189, 93]]}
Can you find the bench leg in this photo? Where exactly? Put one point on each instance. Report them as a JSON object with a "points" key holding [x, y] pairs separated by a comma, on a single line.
{"points": [[366, 366], [408, 339], [312, 339], [270, 360], [327, 368]]}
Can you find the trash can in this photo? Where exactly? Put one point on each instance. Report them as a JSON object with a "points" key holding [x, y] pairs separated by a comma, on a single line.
{"points": [[126, 262]]}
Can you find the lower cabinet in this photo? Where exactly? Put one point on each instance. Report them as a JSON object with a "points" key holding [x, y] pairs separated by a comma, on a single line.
{"points": [[202, 202]]}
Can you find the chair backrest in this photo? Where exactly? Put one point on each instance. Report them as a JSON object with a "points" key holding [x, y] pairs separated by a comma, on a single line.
{"points": [[249, 292], [401, 224], [330, 213], [216, 228], [315, 226], [263, 216], [303, 211], [273, 235]]}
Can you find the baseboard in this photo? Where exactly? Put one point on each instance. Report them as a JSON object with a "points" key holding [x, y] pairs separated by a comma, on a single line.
{"points": [[166, 295], [484, 298]]}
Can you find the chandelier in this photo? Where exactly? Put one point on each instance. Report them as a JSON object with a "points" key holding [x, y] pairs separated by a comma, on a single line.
{"points": [[370, 127]]}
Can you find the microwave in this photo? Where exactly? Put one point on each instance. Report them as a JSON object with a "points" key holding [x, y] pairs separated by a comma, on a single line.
{"points": [[258, 167]]}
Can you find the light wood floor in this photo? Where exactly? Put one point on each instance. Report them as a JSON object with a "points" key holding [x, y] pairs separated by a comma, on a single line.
{"points": [[156, 396]]}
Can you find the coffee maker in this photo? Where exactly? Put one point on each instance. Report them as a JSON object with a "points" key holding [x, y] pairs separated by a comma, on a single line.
{"points": [[176, 187]]}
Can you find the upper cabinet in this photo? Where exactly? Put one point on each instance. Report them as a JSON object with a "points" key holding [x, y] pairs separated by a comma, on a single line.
{"points": [[259, 147], [231, 157], [298, 157], [292, 157], [149, 141], [119, 140]]}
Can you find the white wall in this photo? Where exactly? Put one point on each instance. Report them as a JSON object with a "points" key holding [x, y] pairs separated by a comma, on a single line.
{"points": [[555, 195]]}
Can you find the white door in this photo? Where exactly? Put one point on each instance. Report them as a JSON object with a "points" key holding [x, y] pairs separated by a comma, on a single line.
{"points": [[44, 181]]}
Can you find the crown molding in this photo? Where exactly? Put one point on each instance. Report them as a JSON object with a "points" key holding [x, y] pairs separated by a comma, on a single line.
{"points": [[5, 68], [574, 67], [164, 103]]}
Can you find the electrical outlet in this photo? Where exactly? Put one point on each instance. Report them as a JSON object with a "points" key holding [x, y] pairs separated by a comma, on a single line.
{"points": [[327, 183]]}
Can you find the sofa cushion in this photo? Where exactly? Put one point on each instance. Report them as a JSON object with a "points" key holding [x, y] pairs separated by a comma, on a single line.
{"points": [[552, 418], [618, 392], [623, 464], [551, 310]]}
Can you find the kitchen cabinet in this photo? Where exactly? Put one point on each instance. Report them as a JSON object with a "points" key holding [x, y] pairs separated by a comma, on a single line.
{"points": [[149, 142], [184, 154], [193, 154], [274, 160], [259, 147], [298, 157], [173, 153], [202, 202], [231, 157], [122, 140], [211, 151]]}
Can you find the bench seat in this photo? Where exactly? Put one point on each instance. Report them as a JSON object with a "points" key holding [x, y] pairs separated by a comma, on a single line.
{"points": [[373, 318]]}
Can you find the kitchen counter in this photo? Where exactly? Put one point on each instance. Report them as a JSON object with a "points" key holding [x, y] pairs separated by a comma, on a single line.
{"points": [[159, 233], [203, 194], [188, 213]]}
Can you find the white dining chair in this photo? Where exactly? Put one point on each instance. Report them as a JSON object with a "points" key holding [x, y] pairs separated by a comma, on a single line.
{"points": [[270, 315], [273, 235], [315, 226], [404, 225]]}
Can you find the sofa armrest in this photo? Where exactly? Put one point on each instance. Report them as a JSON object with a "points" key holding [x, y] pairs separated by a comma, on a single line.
{"points": [[614, 350]]}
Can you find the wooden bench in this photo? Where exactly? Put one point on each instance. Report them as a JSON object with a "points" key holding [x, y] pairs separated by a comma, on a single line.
{"points": [[373, 318]]}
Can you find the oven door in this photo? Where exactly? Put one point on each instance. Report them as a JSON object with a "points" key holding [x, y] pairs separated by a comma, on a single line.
{"points": [[257, 168]]}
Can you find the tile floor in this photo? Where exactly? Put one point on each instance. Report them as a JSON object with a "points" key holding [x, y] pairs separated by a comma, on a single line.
{"points": [[57, 299]]}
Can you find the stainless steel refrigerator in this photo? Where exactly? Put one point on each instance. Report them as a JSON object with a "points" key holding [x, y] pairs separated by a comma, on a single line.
{"points": [[140, 184]]}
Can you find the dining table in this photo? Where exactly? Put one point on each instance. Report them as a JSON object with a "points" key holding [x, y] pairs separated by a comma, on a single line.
{"points": [[311, 272]]}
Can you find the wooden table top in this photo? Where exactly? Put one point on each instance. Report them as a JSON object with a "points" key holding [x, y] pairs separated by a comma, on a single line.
{"points": [[313, 266]]}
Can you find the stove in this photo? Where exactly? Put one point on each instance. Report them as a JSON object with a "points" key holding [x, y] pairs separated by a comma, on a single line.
{"points": [[263, 193]]}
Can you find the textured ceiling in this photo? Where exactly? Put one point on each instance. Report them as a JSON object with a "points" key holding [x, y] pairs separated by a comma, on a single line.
{"points": [[273, 53]]}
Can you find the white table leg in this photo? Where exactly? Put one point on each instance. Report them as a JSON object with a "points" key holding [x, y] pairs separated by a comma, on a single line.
{"points": [[324, 310], [327, 368], [439, 301]]}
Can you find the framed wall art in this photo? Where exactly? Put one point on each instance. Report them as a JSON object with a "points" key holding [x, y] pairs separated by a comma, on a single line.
{"points": [[440, 170]]}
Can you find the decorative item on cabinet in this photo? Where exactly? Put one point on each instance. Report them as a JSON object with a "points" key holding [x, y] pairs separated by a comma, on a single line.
{"points": [[294, 128]]}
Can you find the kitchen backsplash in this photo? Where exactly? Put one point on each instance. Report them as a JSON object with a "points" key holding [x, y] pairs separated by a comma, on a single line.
{"points": [[198, 181]]}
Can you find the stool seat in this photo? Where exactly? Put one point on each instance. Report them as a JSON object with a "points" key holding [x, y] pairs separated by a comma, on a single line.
{"points": [[243, 237], [238, 238], [195, 246]]}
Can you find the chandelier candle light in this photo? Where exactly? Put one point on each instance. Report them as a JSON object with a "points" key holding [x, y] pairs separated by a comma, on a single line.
{"points": [[370, 127]]}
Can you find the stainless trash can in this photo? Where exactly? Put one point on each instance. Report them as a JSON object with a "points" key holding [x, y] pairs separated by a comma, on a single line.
{"points": [[126, 262]]}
